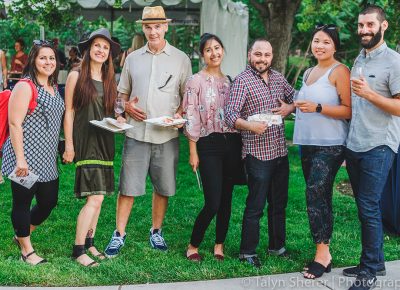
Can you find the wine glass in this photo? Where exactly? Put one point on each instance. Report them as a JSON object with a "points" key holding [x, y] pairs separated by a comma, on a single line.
{"points": [[119, 106], [359, 72], [299, 96]]}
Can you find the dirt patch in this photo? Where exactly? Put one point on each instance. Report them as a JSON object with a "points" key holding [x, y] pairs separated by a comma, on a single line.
{"points": [[344, 187]]}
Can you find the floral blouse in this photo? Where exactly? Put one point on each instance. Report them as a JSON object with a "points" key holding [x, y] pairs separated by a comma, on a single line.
{"points": [[203, 104]]}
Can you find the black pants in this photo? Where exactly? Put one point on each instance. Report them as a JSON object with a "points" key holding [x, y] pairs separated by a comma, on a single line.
{"points": [[218, 163], [320, 166], [267, 181], [22, 216]]}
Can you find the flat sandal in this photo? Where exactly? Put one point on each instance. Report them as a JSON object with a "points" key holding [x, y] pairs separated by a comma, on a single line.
{"points": [[25, 259], [79, 250], [89, 242]]}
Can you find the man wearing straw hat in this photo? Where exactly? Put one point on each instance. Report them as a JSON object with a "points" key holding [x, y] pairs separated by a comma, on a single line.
{"points": [[152, 82]]}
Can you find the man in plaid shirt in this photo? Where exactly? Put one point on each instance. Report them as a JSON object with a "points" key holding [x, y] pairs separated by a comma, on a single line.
{"points": [[260, 89]]}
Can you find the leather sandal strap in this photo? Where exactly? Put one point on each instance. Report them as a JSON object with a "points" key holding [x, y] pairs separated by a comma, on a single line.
{"points": [[30, 254], [92, 264], [316, 269], [89, 242], [42, 262], [100, 255], [78, 250], [16, 242]]}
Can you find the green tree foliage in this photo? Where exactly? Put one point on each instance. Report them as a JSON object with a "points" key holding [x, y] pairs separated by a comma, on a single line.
{"points": [[51, 13], [25, 16]]}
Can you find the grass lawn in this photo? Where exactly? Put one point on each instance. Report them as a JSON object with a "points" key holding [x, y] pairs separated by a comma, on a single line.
{"points": [[138, 263]]}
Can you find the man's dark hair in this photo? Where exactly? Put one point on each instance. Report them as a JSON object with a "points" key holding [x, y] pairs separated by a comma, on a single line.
{"points": [[257, 40], [370, 9]]}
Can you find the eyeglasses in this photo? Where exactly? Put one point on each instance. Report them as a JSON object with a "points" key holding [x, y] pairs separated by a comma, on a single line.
{"points": [[39, 42], [321, 26]]}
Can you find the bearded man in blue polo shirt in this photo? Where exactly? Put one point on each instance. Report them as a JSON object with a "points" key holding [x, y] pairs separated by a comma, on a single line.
{"points": [[373, 138]]}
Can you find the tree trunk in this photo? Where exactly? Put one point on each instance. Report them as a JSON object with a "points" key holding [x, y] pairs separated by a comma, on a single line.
{"points": [[278, 18]]}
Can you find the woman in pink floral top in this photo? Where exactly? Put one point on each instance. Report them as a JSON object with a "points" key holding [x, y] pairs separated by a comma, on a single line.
{"points": [[214, 148], [204, 103]]}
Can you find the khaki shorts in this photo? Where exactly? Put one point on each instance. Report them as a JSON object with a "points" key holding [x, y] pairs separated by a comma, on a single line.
{"points": [[160, 161]]}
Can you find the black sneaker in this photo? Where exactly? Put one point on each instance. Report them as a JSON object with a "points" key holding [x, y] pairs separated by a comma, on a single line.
{"points": [[253, 260], [354, 271], [364, 281]]}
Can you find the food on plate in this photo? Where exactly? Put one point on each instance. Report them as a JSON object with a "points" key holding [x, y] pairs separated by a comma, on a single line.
{"points": [[168, 120]]}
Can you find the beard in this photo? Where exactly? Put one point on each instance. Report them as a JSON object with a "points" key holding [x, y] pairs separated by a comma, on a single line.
{"points": [[374, 40], [260, 71]]}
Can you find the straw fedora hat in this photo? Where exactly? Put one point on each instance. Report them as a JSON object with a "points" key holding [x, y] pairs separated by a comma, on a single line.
{"points": [[154, 14], [103, 33]]}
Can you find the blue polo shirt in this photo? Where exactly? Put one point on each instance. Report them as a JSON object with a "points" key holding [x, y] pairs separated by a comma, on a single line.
{"points": [[370, 126]]}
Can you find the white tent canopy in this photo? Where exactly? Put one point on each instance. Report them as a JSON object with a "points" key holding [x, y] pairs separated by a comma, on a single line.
{"points": [[182, 11], [95, 3], [229, 20], [225, 18]]}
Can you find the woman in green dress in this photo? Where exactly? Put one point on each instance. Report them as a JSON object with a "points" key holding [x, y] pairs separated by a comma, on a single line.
{"points": [[90, 94]]}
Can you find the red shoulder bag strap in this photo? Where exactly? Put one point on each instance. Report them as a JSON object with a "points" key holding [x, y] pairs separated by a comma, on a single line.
{"points": [[33, 102]]}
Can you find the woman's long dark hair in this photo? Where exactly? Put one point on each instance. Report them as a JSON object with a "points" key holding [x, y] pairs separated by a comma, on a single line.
{"points": [[30, 70], [206, 37], [85, 91]]}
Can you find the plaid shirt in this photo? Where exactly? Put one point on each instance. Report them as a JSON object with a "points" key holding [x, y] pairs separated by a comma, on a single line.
{"points": [[250, 95]]}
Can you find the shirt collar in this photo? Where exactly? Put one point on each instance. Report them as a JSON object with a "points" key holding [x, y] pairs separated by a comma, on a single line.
{"points": [[166, 49], [375, 52]]}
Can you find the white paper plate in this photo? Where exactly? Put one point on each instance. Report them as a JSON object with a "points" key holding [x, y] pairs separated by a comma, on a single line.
{"points": [[104, 124], [160, 121]]}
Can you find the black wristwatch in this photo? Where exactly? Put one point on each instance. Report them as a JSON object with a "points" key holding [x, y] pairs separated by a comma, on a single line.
{"points": [[318, 109]]}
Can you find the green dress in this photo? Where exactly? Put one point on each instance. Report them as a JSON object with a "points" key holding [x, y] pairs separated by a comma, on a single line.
{"points": [[94, 150]]}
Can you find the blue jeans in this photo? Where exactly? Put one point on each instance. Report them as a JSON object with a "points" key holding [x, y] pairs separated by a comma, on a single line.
{"points": [[368, 172], [267, 182]]}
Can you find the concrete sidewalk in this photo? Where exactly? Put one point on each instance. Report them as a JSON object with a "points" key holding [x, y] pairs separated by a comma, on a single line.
{"points": [[334, 281]]}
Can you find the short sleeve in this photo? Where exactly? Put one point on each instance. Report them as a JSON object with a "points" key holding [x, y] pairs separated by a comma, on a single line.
{"points": [[394, 78], [191, 101], [125, 81], [186, 73]]}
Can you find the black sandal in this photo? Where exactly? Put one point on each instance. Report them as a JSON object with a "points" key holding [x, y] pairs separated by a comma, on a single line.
{"points": [[25, 258], [79, 250], [89, 242], [317, 269]]}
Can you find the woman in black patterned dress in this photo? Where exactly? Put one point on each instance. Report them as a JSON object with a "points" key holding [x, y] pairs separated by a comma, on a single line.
{"points": [[32, 146]]}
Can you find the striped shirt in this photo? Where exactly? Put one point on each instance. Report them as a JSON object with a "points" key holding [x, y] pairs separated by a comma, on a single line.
{"points": [[250, 95]]}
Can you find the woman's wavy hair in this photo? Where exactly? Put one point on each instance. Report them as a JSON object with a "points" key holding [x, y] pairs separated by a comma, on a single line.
{"points": [[30, 71], [85, 91]]}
